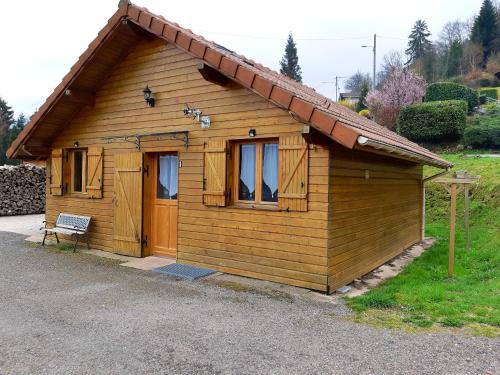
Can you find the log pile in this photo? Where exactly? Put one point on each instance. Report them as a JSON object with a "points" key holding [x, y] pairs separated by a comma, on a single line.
{"points": [[22, 190]]}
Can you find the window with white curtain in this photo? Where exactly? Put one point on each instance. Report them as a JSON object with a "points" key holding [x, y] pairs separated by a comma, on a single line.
{"points": [[256, 172], [167, 185]]}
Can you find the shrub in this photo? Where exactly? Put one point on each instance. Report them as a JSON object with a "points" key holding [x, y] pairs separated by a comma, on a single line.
{"points": [[483, 132], [452, 91], [490, 93], [482, 99], [433, 121], [491, 108], [365, 113], [347, 103]]}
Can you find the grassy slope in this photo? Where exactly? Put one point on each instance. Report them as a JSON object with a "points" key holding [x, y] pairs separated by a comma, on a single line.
{"points": [[422, 296]]}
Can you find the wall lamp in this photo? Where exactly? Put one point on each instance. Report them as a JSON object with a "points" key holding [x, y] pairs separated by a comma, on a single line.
{"points": [[148, 96], [76, 144], [252, 133], [205, 121]]}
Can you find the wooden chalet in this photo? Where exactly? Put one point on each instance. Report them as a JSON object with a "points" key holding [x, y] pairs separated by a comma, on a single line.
{"points": [[179, 147]]}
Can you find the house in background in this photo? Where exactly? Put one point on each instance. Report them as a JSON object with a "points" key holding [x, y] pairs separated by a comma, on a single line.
{"points": [[351, 97], [179, 147]]}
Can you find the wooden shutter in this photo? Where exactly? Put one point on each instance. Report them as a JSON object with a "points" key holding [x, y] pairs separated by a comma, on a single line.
{"points": [[214, 178], [127, 201], [56, 175], [94, 172], [293, 173]]}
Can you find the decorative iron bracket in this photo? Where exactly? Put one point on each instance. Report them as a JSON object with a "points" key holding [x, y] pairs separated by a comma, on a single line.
{"points": [[136, 138]]}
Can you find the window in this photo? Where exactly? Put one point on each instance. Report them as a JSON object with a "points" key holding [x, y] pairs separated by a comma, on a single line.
{"points": [[256, 172], [166, 187], [78, 169]]}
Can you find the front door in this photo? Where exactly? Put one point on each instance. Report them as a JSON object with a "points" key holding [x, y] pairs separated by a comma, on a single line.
{"points": [[164, 204]]}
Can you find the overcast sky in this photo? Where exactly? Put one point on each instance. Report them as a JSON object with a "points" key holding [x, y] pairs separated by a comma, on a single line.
{"points": [[41, 40]]}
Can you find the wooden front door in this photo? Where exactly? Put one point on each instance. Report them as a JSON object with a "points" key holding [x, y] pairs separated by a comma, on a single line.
{"points": [[127, 202], [164, 207]]}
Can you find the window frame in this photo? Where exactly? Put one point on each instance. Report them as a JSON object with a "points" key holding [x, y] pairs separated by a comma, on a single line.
{"points": [[235, 169], [71, 165]]}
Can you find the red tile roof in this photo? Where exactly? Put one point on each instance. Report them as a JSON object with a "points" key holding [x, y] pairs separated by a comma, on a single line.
{"points": [[330, 118]]}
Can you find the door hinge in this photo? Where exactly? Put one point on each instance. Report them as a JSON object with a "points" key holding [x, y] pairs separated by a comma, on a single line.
{"points": [[144, 241]]}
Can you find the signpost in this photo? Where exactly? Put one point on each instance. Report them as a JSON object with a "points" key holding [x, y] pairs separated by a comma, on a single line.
{"points": [[461, 180]]}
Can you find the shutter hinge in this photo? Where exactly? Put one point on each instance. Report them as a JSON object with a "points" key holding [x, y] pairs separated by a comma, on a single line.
{"points": [[204, 184], [228, 194], [145, 170], [228, 152], [144, 241]]}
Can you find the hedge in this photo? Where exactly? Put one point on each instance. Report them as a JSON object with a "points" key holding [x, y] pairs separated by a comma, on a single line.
{"points": [[490, 93], [483, 132], [433, 121], [452, 91]]}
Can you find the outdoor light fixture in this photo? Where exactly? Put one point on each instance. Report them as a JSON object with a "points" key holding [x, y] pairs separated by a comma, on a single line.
{"points": [[252, 133], [76, 144], [192, 112], [148, 96]]}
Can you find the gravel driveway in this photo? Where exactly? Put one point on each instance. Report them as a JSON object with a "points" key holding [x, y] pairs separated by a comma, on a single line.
{"points": [[64, 313]]}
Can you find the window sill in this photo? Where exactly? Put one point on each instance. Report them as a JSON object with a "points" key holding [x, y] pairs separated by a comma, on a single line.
{"points": [[256, 206]]}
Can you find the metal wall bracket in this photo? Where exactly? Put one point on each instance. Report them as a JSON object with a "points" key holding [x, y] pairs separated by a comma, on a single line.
{"points": [[136, 138]]}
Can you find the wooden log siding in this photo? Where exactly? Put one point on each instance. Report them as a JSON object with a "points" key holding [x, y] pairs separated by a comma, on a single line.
{"points": [[287, 247], [375, 207]]}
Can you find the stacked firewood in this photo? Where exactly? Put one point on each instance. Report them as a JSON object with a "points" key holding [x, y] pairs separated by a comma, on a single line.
{"points": [[22, 190]]}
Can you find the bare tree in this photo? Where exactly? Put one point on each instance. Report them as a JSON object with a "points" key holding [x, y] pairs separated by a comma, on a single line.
{"points": [[392, 61], [356, 82], [454, 31], [472, 57]]}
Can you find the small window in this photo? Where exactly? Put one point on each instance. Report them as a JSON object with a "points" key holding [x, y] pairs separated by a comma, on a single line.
{"points": [[256, 172], [78, 165], [167, 185]]}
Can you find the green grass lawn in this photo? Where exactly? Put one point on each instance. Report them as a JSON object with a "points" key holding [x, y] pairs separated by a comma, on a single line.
{"points": [[422, 296]]}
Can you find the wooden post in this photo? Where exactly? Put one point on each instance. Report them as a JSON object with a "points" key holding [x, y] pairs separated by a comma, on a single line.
{"points": [[453, 214], [466, 217]]}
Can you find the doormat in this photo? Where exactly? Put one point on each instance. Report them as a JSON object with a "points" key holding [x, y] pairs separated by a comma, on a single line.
{"points": [[184, 271]]}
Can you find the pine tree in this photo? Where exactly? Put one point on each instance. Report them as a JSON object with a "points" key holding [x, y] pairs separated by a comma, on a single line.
{"points": [[484, 30], [10, 135], [361, 104], [290, 61], [418, 43], [455, 55]]}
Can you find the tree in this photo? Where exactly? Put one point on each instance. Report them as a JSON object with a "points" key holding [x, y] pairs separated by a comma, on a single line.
{"points": [[290, 61], [403, 87], [418, 43], [472, 56], [453, 31], [485, 29], [391, 61], [363, 92], [356, 82], [455, 54], [10, 135]]}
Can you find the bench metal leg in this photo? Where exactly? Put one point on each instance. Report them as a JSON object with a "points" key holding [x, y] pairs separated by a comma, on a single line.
{"points": [[49, 234], [76, 242], [44, 237], [57, 238]]}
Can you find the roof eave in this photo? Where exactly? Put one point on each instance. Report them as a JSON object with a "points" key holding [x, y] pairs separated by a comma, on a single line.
{"points": [[364, 142]]}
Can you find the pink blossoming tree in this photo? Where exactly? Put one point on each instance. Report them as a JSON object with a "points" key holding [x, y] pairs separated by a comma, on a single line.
{"points": [[401, 88]]}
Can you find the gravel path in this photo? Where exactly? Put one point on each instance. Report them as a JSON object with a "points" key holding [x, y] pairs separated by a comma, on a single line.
{"points": [[64, 313]]}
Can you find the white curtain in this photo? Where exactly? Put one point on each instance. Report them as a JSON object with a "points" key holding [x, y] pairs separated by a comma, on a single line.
{"points": [[247, 167], [270, 169], [167, 176]]}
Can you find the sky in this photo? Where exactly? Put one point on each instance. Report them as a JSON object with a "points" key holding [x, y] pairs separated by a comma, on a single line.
{"points": [[41, 40]]}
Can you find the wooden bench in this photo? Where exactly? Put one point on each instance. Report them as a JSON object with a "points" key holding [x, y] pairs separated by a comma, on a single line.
{"points": [[71, 225]]}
